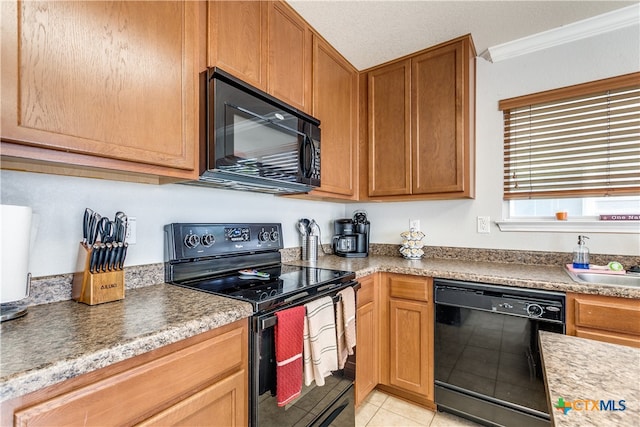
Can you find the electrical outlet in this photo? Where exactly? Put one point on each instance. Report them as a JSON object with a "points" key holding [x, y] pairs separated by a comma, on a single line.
{"points": [[131, 231], [484, 224], [414, 224]]}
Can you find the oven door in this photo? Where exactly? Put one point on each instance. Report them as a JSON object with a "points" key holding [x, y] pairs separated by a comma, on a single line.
{"points": [[330, 404], [333, 404], [340, 413]]}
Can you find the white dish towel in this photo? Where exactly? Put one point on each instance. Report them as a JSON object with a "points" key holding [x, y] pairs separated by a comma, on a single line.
{"points": [[345, 325], [320, 348]]}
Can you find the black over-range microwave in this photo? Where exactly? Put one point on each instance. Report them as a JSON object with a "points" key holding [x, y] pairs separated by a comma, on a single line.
{"points": [[255, 142]]}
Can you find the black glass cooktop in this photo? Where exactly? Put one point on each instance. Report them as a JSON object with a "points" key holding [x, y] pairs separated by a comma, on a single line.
{"points": [[285, 283]]}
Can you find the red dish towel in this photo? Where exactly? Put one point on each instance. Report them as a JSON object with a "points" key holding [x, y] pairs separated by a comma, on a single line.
{"points": [[288, 337]]}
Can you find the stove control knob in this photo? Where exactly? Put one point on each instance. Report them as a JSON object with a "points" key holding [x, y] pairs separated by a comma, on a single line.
{"points": [[263, 236], [274, 235], [534, 310], [208, 240], [191, 240]]}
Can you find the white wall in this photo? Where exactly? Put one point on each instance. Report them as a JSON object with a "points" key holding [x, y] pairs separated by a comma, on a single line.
{"points": [[453, 223], [59, 202]]}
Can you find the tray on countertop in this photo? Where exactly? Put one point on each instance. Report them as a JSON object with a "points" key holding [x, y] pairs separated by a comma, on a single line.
{"points": [[593, 270]]}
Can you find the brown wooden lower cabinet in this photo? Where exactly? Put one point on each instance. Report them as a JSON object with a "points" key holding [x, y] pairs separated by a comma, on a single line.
{"points": [[367, 333], [609, 319], [408, 347], [395, 313], [202, 380], [221, 404], [406, 337]]}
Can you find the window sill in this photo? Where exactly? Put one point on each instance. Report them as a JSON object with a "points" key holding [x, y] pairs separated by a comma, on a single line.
{"points": [[583, 226]]}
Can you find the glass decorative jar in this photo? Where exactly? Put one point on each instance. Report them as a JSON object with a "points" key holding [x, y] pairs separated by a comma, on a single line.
{"points": [[412, 244]]}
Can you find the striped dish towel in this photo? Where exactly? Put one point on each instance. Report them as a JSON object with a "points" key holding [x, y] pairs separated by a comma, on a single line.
{"points": [[288, 341], [345, 325], [320, 347]]}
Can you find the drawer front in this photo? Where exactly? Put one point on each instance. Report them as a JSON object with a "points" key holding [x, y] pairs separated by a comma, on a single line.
{"points": [[221, 404], [407, 287], [610, 337], [143, 390], [610, 314], [366, 291]]}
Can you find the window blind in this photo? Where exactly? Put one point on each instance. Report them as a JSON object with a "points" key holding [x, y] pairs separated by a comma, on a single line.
{"points": [[578, 141]]}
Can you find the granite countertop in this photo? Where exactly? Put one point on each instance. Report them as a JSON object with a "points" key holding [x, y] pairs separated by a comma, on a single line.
{"points": [[508, 274], [578, 370], [64, 339]]}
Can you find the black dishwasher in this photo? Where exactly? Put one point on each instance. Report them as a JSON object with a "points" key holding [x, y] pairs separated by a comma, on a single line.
{"points": [[487, 357]]}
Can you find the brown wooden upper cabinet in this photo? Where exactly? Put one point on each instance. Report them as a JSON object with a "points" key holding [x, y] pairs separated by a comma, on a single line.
{"points": [[335, 104], [237, 39], [264, 43], [110, 85], [421, 111], [390, 129]]}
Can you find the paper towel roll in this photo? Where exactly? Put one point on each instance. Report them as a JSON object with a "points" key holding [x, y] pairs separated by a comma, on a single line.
{"points": [[15, 235]]}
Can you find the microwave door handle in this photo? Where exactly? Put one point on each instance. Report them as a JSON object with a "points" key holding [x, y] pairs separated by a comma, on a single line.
{"points": [[312, 157], [306, 156], [303, 157]]}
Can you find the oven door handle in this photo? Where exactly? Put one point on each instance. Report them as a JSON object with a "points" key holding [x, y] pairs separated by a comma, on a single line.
{"points": [[267, 323], [271, 321]]}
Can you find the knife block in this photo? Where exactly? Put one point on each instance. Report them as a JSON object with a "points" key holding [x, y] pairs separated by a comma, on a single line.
{"points": [[95, 288]]}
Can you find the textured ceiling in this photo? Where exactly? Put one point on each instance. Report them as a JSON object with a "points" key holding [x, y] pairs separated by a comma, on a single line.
{"points": [[369, 33]]}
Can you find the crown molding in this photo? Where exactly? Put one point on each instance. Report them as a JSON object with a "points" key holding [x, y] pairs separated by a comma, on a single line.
{"points": [[621, 18]]}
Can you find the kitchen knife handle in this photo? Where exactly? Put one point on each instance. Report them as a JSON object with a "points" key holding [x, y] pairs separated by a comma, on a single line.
{"points": [[85, 225], [94, 258], [107, 257], [113, 254], [124, 255], [120, 251], [101, 257]]}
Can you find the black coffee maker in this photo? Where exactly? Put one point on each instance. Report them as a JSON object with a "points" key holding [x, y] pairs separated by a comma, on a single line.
{"points": [[351, 236]]}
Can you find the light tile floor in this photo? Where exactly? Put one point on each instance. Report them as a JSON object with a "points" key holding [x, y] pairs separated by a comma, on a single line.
{"points": [[382, 410]]}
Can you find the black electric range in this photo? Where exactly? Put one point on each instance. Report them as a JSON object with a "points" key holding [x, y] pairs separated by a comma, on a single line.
{"points": [[242, 261]]}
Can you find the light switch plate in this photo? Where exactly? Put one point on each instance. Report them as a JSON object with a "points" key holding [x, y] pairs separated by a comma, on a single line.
{"points": [[131, 231]]}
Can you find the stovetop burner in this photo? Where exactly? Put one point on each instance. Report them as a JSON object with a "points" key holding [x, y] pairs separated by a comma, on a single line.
{"points": [[285, 282]]}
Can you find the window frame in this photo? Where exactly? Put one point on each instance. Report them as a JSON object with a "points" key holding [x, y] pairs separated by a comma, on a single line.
{"points": [[576, 224], [550, 154]]}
